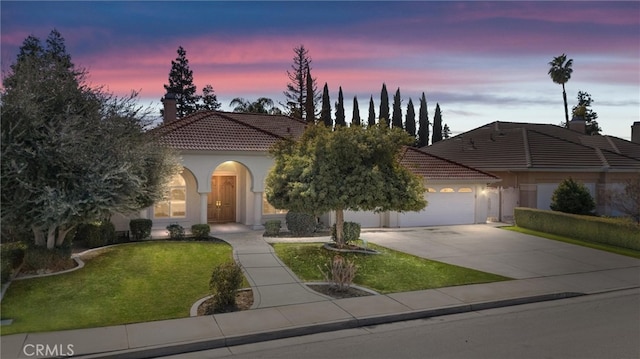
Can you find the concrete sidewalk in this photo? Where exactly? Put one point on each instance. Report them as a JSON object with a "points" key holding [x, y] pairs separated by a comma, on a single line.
{"points": [[544, 269]]}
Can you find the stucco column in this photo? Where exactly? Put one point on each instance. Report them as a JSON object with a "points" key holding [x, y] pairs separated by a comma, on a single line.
{"points": [[257, 211], [203, 207]]}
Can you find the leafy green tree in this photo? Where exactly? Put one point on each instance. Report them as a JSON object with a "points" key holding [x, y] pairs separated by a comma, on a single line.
{"points": [[572, 197], [325, 113], [397, 110], [437, 126], [446, 132], [583, 110], [261, 105], [340, 117], [209, 100], [410, 125], [384, 106], [181, 84], [355, 119], [423, 121], [351, 168], [70, 153], [298, 88], [371, 121], [560, 71]]}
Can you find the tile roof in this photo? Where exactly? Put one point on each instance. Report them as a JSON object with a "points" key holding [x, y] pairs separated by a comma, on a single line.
{"points": [[433, 167], [226, 131], [520, 146]]}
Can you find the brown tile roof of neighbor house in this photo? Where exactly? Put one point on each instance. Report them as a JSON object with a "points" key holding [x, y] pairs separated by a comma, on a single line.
{"points": [[527, 146], [432, 167], [227, 131]]}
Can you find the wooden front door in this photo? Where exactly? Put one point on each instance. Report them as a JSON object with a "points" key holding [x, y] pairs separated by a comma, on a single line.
{"points": [[221, 206]]}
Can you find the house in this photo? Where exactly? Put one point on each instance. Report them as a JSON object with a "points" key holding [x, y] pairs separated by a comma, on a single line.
{"points": [[225, 159], [532, 159]]}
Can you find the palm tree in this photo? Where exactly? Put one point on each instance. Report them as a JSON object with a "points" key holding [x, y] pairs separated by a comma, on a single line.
{"points": [[261, 105], [560, 73]]}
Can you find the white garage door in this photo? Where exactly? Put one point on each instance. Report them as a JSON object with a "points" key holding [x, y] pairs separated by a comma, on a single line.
{"points": [[449, 205]]}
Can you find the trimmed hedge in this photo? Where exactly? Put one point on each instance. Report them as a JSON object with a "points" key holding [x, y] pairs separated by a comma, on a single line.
{"points": [[140, 228], [615, 232], [301, 224], [272, 228], [200, 231], [350, 232]]}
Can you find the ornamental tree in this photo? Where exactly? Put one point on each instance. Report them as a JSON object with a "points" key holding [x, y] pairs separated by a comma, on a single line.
{"points": [[351, 168], [572, 197]]}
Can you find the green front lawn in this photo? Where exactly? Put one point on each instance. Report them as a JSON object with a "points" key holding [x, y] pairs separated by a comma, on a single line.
{"points": [[389, 272], [129, 283]]}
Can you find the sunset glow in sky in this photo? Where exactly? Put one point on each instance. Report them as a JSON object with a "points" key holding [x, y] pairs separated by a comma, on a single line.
{"points": [[481, 61]]}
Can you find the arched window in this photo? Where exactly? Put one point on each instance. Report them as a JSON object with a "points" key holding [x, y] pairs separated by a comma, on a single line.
{"points": [[431, 190], [175, 206], [465, 190], [447, 190]]}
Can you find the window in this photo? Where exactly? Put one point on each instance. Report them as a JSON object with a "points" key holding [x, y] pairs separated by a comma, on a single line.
{"points": [[431, 190], [176, 203], [465, 190], [447, 190], [267, 208]]}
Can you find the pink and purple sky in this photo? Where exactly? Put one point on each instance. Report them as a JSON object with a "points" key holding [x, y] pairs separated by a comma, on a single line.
{"points": [[481, 61]]}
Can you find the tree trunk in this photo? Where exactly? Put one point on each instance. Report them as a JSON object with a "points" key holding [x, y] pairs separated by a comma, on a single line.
{"points": [[566, 109], [38, 236], [62, 234], [51, 237], [339, 227]]}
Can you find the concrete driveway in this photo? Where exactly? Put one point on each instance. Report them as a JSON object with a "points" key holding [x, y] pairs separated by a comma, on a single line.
{"points": [[490, 249]]}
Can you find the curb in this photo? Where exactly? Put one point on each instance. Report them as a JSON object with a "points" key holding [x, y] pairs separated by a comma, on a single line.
{"points": [[208, 344]]}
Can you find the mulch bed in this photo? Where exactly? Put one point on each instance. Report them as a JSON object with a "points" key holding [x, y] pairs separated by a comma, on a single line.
{"points": [[244, 301], [334, 293]]}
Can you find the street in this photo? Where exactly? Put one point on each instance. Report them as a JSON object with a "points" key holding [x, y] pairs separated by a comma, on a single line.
{"points": [[595, 326]]}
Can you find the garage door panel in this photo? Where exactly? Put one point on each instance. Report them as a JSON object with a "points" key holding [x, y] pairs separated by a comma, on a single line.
{"points": [[442, 209]]}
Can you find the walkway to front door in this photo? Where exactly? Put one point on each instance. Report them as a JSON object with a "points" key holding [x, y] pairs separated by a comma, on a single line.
{"points": [[221, 204]]}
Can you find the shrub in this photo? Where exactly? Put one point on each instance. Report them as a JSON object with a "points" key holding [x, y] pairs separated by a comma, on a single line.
{"points": [[350, 232], [200, 231], [176, 231], [225, 282], [572, 197], [301, 224], [341, 272], [11, 256], [272, 228], [42, 258], [140, 228], [97, 234]]}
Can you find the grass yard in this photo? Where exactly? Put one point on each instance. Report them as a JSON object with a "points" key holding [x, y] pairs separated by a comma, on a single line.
{"points": [[123, 284], [600, 246], [389, 272]]}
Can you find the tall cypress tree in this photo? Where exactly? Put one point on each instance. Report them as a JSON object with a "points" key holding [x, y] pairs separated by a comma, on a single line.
{"points": [[310, 105], [371, 121], [355, 119], [325, 113], [340, 118], [397, 110], [423, 121], [410, 124], [384, 107], [437, 126], [181, 84]]}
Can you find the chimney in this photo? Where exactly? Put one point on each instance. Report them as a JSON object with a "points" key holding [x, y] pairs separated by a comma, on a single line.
{"points": [[578, 124], [635, 132], [170, 111]]}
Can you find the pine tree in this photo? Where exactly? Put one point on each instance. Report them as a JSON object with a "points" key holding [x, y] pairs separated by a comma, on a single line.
{"points": [[397, 110], [340, 118], [310, 105], [371, 121], [325, 113], [181, 84], [297, 91], [583, 110], [384, 107], [446, 132], [355, 119], [437, 126], [410, 125], [423, 121], [209, 99]]}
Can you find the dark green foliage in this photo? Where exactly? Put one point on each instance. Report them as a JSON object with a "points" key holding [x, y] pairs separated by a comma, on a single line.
{"points": [[325, 112], [97, 234], [396, 120], [371, 120], [410, 123], [446, 132], [423, 122], [355, 119], [437, 126], [200, 231], [42, 258], [572, 197], [350, 232], [272, 227], [301, 224], [615, 232], [560, 71], [176, 232], [140, 228], [384, 107], [340, 117], [181, 84], [11, 256], [583, 110], [226, 279], [301, 86]]}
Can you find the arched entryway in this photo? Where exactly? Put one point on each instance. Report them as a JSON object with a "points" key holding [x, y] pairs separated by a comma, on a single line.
{"points": [[227, 200]]}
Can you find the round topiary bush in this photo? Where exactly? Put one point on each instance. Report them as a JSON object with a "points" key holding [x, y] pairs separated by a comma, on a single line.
{"points": [[301, 224], [572, 197]]}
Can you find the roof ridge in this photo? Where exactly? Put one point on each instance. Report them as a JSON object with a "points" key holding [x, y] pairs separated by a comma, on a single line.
{"points": [[224, 115], [612, 144], [182, 122], [602, 158], [527, 150], [264, 114], [450, 161]]}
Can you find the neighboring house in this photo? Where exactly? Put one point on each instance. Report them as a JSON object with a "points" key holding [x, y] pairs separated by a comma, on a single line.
{"points": [[226, 161], [532, 159]]}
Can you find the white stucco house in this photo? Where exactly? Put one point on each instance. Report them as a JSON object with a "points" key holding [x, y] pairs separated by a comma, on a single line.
{"points": [[226, 161]]}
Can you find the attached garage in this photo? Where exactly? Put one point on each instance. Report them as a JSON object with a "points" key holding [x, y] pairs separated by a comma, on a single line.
{"points": [[446, 205]]}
